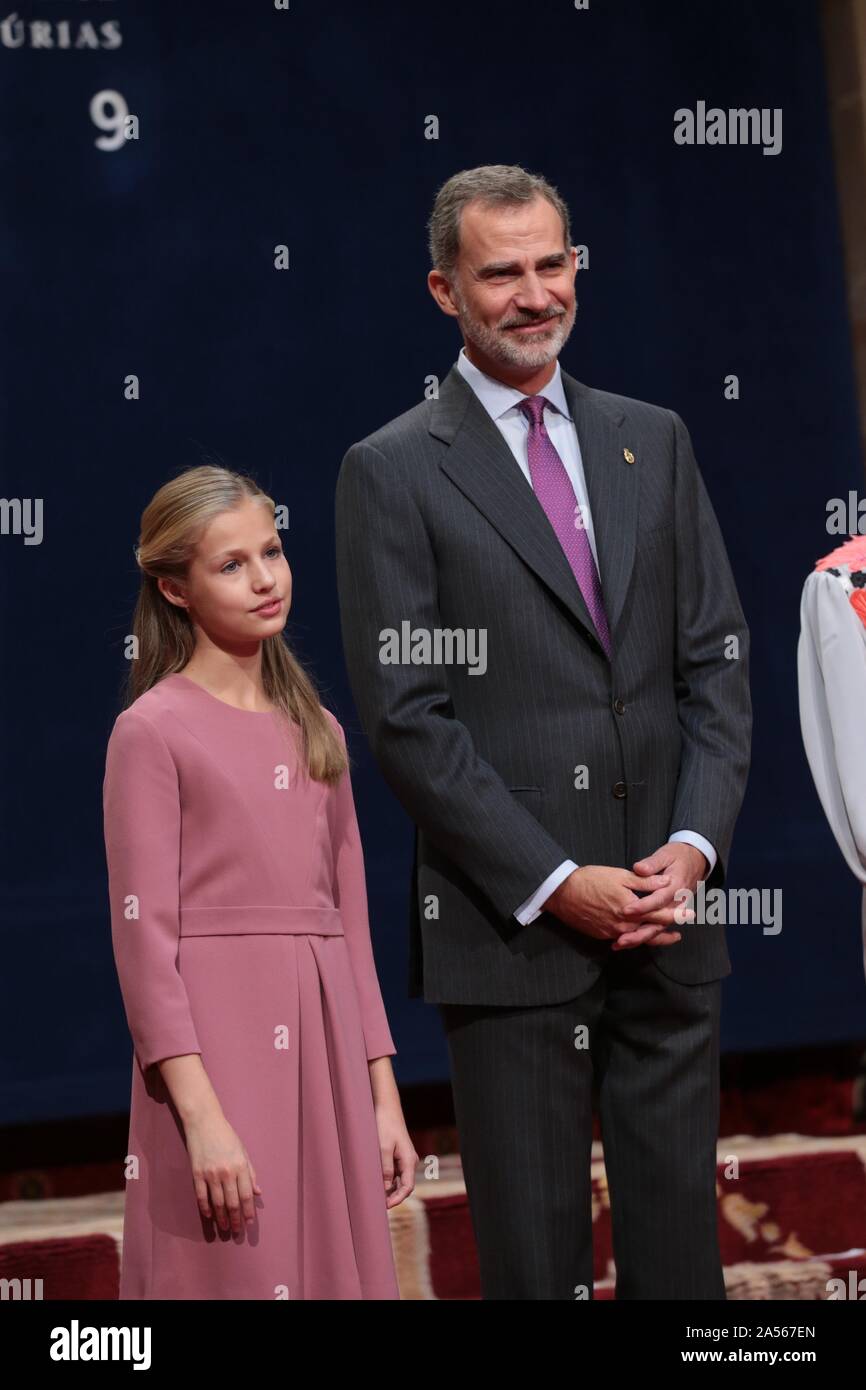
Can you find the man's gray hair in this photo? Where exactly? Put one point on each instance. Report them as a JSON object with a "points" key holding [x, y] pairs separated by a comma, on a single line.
{"points": [[495, 185]]}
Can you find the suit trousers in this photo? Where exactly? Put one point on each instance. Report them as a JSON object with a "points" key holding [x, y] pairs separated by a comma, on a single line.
{"points": [[523, 1080]]}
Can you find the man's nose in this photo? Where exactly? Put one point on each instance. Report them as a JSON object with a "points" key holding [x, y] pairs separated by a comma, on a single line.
{"points": [[532, 296]]}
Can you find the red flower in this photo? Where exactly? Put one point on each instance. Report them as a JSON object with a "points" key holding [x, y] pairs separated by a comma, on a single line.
{"points": [[858, 603]]}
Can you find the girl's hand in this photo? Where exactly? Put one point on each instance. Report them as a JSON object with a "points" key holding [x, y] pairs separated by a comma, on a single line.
{"points": [[223, 1176], [399, 1158]]}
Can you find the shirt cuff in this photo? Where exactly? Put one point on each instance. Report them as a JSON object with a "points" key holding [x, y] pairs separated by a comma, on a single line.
{"points": [[691, 837], [532, 908]]}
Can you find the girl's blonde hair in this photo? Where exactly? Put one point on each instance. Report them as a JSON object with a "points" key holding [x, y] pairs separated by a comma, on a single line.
{"points": [[172, 524]]}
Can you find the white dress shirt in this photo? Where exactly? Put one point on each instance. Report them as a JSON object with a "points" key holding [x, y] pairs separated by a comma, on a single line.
{"points": [[501, 403]]}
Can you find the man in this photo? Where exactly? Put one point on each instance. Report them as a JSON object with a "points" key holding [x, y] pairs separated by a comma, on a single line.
{"points": [[566, 795]]}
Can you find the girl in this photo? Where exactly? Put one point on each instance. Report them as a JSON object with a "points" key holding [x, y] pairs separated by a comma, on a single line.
{"points": [[265, 1120]]}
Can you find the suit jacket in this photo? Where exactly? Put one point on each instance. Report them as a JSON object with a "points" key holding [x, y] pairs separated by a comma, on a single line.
{"points": [[831, 674], [437, 526]]}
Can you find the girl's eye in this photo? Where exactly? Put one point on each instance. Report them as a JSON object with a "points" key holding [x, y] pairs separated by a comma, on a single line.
{"points": [[272, 550]]}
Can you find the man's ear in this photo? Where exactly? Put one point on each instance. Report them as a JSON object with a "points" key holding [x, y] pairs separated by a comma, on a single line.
{"points": [[441, 292]]}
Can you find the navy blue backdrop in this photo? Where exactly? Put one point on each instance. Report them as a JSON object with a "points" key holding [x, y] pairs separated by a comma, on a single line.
{"points": [[307, 127]]}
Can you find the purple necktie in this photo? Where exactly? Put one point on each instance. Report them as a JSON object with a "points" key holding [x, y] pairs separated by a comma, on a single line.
{"points": [[553, 488]]}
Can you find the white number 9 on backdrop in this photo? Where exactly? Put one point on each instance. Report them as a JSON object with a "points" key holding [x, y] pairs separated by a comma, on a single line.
{"points": [[108, 112]]}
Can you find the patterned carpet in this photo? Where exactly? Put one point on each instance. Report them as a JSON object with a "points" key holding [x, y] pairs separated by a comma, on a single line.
{"points": [[792, 1218]]}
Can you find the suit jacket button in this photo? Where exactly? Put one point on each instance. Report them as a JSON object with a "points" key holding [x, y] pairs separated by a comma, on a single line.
{"points": [[619, 789], [619, 706]]}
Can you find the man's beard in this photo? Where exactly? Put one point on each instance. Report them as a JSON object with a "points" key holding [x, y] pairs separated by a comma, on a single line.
{"points": [[502, 345]]}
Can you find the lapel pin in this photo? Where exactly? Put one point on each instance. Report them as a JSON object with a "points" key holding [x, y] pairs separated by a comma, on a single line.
{"points": [[628, 455]]}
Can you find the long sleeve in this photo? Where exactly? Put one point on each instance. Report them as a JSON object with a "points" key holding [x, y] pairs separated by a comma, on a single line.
{"points": [[831, 664], [712, 687], [350, 896], [532, 908], [141, 808], [691, 837], [386, 574]]}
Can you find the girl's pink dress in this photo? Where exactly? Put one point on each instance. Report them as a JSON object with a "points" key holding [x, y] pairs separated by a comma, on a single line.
{"points": [[239, 924]]}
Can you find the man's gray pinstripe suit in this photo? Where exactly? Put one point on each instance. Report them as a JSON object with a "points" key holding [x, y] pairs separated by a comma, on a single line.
{"points": [[437, 526]]}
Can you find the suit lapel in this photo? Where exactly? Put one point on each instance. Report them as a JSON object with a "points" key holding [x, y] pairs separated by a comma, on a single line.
{"points": [[481, 465]]}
